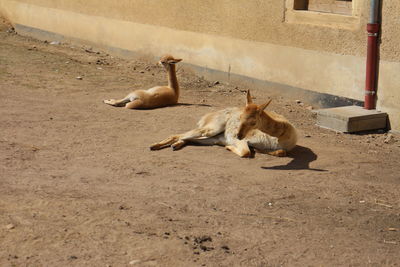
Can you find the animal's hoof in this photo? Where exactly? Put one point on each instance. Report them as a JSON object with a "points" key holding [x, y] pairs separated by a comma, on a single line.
{"points": [[177, 145], [175, 148], [155, 147], [278, 153], [246, 155], [109, 102]]}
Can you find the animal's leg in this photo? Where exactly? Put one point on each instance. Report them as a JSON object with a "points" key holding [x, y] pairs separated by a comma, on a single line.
{"points": [[117, 102], [208, 141], [200, 132], [178, 141], [182, 139], [278, 153], [240, 148], [122, 102], [165, 143], [135, 104], [195, 133]]}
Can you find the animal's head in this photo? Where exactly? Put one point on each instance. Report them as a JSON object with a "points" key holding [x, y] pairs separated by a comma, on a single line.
{"points": [[168, 60], [250, 117]]}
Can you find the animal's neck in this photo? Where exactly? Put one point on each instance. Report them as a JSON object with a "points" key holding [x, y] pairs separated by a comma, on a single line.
{"points": [[271, 126], [172, 80]]}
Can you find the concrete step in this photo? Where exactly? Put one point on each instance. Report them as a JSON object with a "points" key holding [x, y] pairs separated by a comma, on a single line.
{"points": [[351, 119]]}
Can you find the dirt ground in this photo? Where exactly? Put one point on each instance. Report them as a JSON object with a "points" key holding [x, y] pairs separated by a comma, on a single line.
{"points": [[80, 187]]}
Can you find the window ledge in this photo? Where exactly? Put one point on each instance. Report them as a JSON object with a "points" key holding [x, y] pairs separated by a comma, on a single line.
{"points": [[322, 19]]}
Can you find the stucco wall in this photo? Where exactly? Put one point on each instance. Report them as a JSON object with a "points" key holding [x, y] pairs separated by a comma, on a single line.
{"points": [[260, 39]]}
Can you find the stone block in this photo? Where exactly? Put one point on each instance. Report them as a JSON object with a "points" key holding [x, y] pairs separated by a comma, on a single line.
{"points": [[351, 119]]}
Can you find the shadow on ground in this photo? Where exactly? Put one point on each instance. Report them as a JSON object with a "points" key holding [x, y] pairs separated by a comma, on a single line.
{"points": [[301, 159]]}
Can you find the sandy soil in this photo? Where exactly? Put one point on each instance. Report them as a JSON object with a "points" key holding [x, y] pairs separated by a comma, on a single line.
{"points": [[79, 186]]}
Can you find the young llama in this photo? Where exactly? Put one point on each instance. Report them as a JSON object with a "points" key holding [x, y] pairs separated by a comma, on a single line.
{"points": [[254, 117], [222, 128], [156, 97]]}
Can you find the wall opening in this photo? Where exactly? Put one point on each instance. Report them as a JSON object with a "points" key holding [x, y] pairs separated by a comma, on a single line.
{"points": [[343, 7]]}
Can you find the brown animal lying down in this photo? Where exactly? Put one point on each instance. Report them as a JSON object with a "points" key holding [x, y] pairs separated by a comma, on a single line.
{"points": [[156, 97], [238, 129]]}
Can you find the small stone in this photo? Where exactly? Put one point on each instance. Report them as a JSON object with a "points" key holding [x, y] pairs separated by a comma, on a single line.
{"points": [[309, 107], [307, 135], [297, 101], [134, 262], [202, 239], [389, 139], [10, 226], [55, 43], [205, 248], [72, 257], [79, 78]]}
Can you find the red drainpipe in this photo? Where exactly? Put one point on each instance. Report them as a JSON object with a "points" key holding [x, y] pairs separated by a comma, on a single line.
{"points": [[372, 56]]}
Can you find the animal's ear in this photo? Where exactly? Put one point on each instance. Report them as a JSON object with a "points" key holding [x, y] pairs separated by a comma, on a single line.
{"points": [[249, 100], [174, 61], [265, 105]]}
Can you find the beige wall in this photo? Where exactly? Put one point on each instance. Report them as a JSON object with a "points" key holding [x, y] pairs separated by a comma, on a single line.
{"points": [[261, 39]]}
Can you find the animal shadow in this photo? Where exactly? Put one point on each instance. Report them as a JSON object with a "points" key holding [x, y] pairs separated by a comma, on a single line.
{"points": [[190, 104], [301, 159]]}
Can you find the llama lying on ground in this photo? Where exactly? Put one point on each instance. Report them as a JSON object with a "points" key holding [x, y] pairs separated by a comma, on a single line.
{"points": [[254, 117], [159, 96], [223, 127]]}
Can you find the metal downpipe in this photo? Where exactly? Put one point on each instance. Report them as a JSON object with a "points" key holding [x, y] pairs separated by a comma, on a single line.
{"points": [[373, 28]]}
